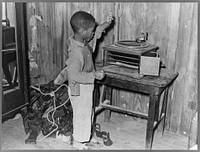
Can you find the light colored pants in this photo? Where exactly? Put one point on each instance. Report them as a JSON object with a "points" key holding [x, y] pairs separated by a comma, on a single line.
{"points": [[82, 113]]}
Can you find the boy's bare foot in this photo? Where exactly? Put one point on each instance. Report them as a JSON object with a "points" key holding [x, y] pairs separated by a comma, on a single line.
{"points": [[79, 146]]}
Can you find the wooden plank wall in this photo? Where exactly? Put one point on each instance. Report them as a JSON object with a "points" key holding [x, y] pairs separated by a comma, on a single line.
{"points": [[171, 26], [175, 32], [52, 33]]}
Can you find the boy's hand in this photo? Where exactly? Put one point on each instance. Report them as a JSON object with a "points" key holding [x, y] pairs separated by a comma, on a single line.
{"points": [[101, 28], [109, 19], [99, 74]]}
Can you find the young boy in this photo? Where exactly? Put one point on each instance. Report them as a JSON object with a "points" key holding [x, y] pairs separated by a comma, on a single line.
{"points": [[81, 74]]}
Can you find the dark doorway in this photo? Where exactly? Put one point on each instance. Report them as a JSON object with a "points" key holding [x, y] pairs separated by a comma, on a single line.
{"points": [[15, 73]]}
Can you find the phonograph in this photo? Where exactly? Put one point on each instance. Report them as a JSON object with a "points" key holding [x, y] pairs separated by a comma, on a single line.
{"points": [[134, 58]]}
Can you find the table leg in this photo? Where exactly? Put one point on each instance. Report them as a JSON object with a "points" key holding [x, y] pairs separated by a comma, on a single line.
{"points": [[102, 94], [150, 122], [107, 113], [96, 95], [164, 109], [157, 109]]}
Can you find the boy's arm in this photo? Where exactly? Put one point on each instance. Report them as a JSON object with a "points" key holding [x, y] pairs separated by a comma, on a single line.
{"points": [[81, 77], [74, 67], [101, 28], [62, 77]]}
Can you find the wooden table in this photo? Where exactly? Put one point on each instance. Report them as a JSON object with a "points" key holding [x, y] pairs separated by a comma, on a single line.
{"points": [[150, 85]]}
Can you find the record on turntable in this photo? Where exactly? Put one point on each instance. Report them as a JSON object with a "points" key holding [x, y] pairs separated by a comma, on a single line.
{"points": [[132, 44]]}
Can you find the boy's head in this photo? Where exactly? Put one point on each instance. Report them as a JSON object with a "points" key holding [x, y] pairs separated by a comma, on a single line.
{"points": [[82, 20]]}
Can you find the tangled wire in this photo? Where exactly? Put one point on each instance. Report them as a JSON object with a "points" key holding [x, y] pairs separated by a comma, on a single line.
{"points": [[49, 111]]}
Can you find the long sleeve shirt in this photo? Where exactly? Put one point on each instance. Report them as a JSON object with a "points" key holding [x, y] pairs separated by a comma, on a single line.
{"points": [[63, 75], [80, 67]]}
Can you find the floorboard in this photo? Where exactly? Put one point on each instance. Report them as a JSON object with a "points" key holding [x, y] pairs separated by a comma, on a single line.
{"points": [[127, 133]]}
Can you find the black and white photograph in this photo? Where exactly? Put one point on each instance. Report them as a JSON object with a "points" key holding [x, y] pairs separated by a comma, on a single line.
{"points": [[110, 75]]}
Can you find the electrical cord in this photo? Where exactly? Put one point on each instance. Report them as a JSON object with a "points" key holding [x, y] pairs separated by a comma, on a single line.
{"points": [[52, 94]]}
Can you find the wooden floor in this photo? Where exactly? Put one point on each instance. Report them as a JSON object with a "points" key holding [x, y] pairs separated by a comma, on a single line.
{"points": [[127, 133]]}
